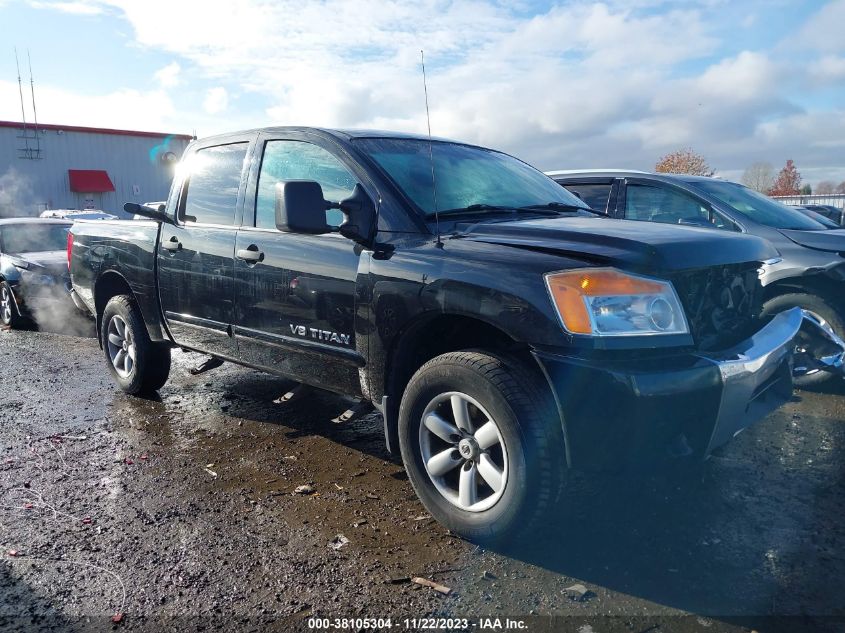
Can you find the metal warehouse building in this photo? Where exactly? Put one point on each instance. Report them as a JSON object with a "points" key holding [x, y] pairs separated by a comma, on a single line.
{"points": [[69, 167]]}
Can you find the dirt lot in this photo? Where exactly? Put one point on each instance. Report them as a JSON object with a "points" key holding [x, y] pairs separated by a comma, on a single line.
{"points": [[179, 513]]}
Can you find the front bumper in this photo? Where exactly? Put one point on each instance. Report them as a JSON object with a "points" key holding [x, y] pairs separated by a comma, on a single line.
{"points": [[621, 413]]}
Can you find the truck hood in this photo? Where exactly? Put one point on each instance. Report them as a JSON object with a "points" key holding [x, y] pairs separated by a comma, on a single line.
{"points": [[832, 240], [645, 245]]}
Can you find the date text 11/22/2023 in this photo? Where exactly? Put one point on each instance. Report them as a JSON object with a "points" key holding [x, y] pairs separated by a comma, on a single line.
{"points": [[418, 624]]}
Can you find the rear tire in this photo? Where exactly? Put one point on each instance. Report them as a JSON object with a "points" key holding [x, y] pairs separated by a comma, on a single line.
{"points": [[137, 364], [497, 481], [819, 307], [8, 309]]}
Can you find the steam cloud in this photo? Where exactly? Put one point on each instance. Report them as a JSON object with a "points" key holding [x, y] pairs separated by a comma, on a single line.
{"points": [[15, 195], [53, 311]]}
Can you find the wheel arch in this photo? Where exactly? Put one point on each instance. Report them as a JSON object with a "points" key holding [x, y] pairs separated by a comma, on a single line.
{"points": [[828, 289], [108, 285], [430, 335]]}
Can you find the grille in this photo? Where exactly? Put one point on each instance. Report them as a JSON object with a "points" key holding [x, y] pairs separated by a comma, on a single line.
{"points": [[722, 303]]}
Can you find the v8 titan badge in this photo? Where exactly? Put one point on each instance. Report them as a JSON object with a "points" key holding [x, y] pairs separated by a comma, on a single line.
{"points": [[320, 335]]}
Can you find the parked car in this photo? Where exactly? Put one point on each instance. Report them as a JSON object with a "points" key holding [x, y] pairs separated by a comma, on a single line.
{"points": [[72, 214], [33, 267], [809, 270], [818, 217], [835, 214], [507, 333]]}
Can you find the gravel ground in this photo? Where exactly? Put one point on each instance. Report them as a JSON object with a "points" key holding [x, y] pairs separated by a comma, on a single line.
{"points": [[180, 512]]}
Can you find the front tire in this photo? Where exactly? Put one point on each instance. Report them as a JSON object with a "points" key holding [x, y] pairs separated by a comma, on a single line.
{"points": [[482, 444], [8, 310], [822, 310], [137, 364]]}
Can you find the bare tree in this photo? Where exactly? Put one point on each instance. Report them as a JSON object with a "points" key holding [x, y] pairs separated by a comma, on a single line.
{"points": [[684, 161], [825, 187], [759, 176], [840, 188]]}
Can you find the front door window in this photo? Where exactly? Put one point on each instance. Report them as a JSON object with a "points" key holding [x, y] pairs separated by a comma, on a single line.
{"points": [[297, 160]]}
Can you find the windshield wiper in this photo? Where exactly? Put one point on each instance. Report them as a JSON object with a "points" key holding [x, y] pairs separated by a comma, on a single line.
{"points": [[556, 206], [551, 208], [473, 208]]}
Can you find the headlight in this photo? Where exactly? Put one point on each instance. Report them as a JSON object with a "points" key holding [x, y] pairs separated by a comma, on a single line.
{"points": [[608, 302]]}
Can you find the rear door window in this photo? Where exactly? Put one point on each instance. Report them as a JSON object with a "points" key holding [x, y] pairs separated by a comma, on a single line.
{"points": [[657, 204], [213, 183], [595, 195]]}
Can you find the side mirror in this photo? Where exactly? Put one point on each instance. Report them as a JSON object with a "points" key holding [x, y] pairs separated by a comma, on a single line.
{"points": [[360, 212], [148, 212], [300, 207]]}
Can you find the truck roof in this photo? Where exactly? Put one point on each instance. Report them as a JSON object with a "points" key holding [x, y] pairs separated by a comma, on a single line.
{"points": [[343, 134]]}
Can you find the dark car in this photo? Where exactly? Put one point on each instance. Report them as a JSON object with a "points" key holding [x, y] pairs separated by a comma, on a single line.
{"points": [[818, 217], [809, 270], [835, 214], [33, 267]]}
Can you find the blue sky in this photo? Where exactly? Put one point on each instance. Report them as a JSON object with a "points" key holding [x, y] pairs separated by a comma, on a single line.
{"points": [[562, 85]]}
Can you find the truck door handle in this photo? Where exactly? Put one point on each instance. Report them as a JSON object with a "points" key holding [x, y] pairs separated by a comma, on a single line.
{"points": [[172, 245], [250, 254]]}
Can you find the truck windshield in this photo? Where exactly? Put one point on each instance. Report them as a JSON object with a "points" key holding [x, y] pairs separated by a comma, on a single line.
{"points": [[32, 237], [757, 207], [466, 177]]}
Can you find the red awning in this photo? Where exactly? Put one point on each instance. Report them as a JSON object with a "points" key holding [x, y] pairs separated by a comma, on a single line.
{"points": [[89, 180]]}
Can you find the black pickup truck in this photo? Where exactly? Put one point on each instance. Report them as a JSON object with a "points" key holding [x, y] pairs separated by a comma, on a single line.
{"points": [[507, 334]]}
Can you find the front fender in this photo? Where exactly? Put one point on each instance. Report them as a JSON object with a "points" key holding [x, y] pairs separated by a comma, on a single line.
{"points": [[8, 271], [801, 265]]}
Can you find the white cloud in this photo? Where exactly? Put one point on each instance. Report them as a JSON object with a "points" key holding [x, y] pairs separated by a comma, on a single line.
{"points": [[76, 8], [125, 108], [216, 100], [495, 77], [749, 20], [828, 69], [168, 77], [823, 30], [580, 84]]}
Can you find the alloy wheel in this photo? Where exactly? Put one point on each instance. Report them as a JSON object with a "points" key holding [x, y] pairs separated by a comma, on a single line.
{"points": [[121, 347], [463, 452], [801, 351], [6, 305]]}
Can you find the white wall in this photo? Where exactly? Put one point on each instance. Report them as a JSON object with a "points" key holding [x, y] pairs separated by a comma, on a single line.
{"points": [[132, 162]]}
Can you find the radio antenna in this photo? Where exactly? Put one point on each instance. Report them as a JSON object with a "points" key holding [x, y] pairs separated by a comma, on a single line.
{"points": [[431, 153], [34, 111], [23, 111]]}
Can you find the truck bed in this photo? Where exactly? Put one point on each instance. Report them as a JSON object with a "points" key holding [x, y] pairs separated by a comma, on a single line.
{"points": [[124, 252]]}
